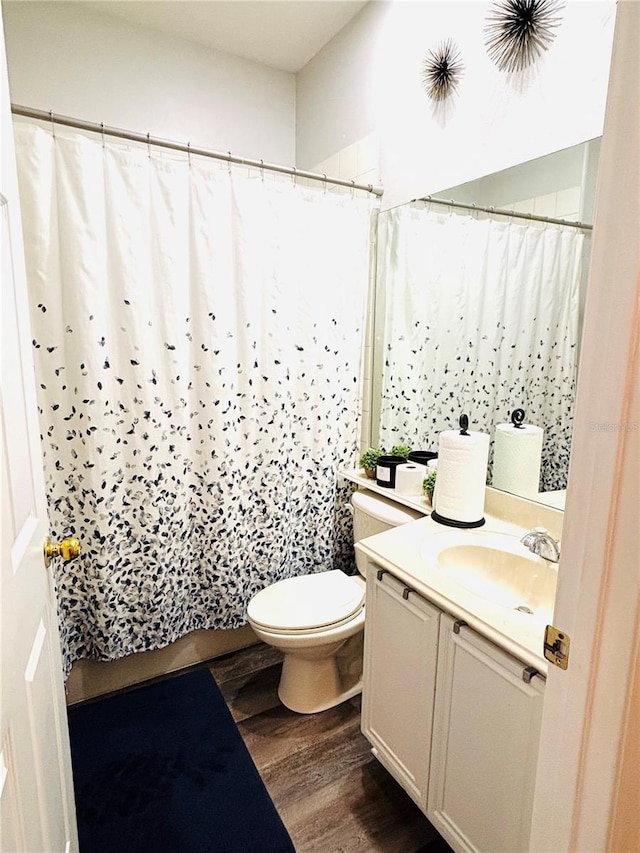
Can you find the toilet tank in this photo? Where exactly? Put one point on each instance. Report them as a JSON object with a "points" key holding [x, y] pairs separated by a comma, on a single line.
{"points": [[373, 514]]}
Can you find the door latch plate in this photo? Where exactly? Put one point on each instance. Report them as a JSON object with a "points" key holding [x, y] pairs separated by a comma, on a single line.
{"points": [[556, 646]]}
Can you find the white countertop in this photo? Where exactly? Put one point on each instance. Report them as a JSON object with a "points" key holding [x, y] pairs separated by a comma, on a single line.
{"points": [[404, 552]]}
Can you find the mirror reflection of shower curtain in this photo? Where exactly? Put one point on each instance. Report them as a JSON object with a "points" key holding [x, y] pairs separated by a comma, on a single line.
{"points": [[198, 342], [481, 316]]}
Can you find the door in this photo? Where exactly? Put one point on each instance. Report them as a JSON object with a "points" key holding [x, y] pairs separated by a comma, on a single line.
{"points": [[589, 711], [37, 810], [401, 646], [486, 732]]}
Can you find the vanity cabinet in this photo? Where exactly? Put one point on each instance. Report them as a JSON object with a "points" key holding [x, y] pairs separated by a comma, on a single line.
{"points": [[451, 717], [401, 646], [486, 732]]}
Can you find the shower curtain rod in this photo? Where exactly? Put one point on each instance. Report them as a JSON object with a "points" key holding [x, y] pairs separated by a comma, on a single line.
{"points": [[147, 139], [502, 212]]}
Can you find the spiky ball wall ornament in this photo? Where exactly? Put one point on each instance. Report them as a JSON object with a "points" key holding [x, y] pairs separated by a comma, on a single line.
{"points": [[517, 32], [442, 71]]}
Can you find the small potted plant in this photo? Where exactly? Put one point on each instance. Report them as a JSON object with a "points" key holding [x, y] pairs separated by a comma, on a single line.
{"points": [[369, 460], [400, 450], [428, 485]]}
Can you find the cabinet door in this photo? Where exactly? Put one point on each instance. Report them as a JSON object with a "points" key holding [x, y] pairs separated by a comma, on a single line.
{"points": [[401, 643], [485, 745]]}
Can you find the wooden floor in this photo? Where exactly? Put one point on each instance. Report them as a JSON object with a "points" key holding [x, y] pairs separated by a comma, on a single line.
{"points": [[331, 793]]}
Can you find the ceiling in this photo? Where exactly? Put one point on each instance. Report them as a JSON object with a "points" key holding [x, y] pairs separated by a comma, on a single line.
{"points": [[283, 34]]}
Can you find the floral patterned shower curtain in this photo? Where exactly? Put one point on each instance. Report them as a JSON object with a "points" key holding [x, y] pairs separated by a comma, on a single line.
{"points": [[198, 339], [482, 318]]}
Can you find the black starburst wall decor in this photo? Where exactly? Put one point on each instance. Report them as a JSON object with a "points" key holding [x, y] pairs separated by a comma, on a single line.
{"points": [[517, 32], [442, 71]]}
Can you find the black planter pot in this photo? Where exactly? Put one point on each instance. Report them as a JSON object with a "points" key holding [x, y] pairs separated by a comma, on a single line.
{"points": [[386, 470], [421, 457]]}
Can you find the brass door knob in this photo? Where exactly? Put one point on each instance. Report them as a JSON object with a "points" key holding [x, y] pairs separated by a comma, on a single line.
{"points": [[67, 549]]}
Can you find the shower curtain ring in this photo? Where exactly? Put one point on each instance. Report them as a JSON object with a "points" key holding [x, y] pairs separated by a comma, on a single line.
{"points": [[262, 171], [229, 162], [353, 188], [325, 183], [149, 145], [189, 152], [102, 132], [293, 176], [53, 126]]}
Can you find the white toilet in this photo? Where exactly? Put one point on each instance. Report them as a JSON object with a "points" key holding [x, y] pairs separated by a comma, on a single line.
{"points": [[317, 620]]}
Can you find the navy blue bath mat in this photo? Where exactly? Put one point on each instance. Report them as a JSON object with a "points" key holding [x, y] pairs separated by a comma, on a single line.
{"points": [[163, 769]]}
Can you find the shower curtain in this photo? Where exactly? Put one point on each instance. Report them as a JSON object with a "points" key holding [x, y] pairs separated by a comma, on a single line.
{"points": [[198, 340], [481, 317]]}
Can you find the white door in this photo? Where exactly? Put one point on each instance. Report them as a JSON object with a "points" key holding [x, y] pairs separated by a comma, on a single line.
{"points": [[401, 646], [37, 810], [486, 732], [589, 710]]}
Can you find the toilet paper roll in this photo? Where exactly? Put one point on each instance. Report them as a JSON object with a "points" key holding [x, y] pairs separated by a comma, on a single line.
{"points": [[409, 478], [517, 457], [462, 476]]}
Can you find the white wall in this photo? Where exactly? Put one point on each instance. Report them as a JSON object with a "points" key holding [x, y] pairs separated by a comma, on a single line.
{"points": [[495, 121], [335, 94], [77, 62]]}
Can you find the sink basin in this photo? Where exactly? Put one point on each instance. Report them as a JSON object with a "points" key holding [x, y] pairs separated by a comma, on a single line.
{"points": [[496, 567]]}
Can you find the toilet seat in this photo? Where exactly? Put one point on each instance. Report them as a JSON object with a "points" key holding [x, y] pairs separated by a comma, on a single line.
{"points": [[307, 602]]}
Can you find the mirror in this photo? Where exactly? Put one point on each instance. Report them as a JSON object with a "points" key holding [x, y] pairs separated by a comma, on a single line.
{"points": [[481, 313]]}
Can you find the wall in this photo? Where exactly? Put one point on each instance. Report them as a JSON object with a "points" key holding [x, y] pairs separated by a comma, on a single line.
{"points": [[77, 62], [494, 122], [335, 91]]}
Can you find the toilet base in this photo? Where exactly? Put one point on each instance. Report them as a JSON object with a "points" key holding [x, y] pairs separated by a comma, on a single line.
{"points": [[310, 684]]}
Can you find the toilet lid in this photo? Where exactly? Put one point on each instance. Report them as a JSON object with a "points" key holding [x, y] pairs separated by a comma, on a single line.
{"points": [[305, 602]]}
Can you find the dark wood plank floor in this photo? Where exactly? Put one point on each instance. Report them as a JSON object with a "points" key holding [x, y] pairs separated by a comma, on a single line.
{"points": [[331, 793]]}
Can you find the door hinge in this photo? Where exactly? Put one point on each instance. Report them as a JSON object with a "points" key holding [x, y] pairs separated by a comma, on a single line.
{"points": [[556, 646]]}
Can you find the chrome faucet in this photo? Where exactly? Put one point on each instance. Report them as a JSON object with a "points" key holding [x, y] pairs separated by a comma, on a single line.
{"points": [[540, 542]]}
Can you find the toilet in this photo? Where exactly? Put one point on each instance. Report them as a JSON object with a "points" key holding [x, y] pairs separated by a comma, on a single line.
{"points": [[317, 620]]}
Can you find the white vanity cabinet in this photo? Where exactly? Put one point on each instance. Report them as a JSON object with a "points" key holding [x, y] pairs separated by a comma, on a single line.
{"points": [[401, 645], [454, 718], [485, 743]]}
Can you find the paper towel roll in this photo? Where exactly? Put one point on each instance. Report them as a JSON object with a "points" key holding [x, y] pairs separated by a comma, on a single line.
{"points": [[517, 457], [409, 478], [462, 478]]}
